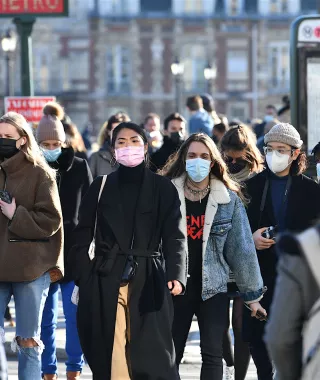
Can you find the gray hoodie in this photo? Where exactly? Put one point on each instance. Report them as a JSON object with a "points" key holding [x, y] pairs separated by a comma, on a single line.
{"points": [[102, 163]]}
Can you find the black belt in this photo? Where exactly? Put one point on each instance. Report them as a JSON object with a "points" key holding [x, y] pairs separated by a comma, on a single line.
{"points": [[110, 256]]}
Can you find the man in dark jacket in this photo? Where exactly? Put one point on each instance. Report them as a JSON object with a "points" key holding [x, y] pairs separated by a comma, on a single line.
{"points": [[282, 197], [175, 132]]}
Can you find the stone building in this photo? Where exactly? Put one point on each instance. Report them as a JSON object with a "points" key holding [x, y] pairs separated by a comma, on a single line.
{"points": [[112, 55]]}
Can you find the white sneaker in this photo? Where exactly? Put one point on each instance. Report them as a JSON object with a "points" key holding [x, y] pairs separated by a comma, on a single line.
{"points": [[228, 373]]}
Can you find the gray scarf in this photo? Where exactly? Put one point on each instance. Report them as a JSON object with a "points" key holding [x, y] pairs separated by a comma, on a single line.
{"points": [[243, 175]]}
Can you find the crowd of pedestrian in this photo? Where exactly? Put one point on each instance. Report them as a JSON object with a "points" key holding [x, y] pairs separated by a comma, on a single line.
{"points": [[158, 226]]}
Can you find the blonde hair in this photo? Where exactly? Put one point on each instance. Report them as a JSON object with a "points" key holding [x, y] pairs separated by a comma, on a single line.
{"points": [[31, 149]]}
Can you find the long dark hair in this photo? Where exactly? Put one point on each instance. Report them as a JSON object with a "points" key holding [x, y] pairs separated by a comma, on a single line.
{"points": [[176, 166], [240, 139], [134, 127]]}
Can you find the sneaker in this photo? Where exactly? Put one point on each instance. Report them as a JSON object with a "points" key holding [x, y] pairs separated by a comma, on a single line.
{"points": [[228, 373]]}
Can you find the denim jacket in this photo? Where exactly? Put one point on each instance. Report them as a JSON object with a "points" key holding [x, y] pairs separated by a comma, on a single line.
{"points": [[227, 243]]}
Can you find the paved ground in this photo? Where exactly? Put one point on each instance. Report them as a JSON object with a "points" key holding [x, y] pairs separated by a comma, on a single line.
{"points": [[190, 369]]}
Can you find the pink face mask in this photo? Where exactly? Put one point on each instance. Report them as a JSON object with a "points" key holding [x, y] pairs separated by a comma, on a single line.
{"points": [[130, 156]]}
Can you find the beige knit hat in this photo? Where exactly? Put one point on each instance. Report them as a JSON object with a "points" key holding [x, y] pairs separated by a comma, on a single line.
{"points": [[50, 126], [284, 133]]}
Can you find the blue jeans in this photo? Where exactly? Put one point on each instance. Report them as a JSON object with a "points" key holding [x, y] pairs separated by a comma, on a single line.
{"points": [[29, 298], [48, 330]]}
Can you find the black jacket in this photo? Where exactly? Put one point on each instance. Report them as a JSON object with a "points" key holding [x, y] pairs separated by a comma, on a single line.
{"points": [[160, 157], [73, 179], [303, 210], [157, 219]]}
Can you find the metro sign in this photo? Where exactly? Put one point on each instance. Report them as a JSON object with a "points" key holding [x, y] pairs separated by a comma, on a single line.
{"points": [[40, 8], [29, 106]]}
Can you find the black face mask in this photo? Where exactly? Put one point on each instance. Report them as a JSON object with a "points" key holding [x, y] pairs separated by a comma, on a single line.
{"points": [[8, 148], [176, 137], [235, 168]]}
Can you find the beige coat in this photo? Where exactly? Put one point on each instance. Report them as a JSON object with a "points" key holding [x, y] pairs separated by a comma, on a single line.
{"points": [[32, 243]]}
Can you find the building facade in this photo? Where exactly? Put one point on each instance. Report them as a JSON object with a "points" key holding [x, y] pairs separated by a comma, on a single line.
{"points": [[112, 55]]}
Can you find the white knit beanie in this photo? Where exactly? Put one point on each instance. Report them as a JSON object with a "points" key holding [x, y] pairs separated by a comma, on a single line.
{"points": [[284, 133]]}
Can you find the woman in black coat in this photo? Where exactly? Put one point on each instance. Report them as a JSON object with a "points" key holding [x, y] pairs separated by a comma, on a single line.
{"points": [[125, 324], [282, 197]]}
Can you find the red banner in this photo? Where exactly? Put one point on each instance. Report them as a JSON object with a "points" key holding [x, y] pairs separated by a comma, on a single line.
{"points": [[23, 7], [30, 107]]}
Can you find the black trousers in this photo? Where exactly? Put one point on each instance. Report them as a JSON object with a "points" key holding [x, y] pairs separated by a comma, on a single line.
{"points": [[211, 315], [262, 361]]}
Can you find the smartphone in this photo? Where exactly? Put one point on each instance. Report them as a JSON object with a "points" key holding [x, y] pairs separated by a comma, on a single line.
{"points": [[259, 315]]}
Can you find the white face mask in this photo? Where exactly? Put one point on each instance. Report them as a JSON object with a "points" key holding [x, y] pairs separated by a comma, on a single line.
{"points": [[277, 162]]}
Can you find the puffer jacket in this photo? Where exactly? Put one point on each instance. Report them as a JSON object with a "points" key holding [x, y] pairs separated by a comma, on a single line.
{"points": [[227, 243]]}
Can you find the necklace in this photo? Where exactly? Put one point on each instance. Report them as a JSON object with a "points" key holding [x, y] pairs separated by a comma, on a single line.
{"points": [[198, 192]]}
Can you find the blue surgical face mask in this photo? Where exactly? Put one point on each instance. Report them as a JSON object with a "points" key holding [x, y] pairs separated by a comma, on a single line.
{"points": [[198, 169], [51, 155], [268, 118]]}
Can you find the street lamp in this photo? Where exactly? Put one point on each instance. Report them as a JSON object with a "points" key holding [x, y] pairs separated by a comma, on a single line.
{"points": [[210, 74], [177, 69], [9, 45]]}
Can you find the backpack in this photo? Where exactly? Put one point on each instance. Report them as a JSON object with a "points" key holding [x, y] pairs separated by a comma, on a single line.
{"points": [[310, 244]]}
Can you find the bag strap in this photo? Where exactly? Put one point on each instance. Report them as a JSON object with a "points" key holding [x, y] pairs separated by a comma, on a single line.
{"points": [[103, 182], [310, 243]]}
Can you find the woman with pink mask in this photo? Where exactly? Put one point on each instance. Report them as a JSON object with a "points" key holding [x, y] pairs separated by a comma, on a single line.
{"points": [[125, 309]]}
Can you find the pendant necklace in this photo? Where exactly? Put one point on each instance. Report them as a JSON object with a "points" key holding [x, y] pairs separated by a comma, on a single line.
{"points": [[199, 193]]}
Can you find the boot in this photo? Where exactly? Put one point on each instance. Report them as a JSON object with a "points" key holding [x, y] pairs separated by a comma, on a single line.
{"points": [[73, 375], [50, 377]]}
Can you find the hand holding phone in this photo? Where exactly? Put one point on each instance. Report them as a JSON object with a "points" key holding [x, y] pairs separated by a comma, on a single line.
{"points": [[257, 311]]}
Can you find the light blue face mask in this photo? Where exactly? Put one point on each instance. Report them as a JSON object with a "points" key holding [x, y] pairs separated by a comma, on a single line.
{"points": [[268, 118], [51, 155], [198, 169]]}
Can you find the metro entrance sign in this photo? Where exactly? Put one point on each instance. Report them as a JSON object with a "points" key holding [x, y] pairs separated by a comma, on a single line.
{"points": [[28, 106], [25, 13], [39, 8]]}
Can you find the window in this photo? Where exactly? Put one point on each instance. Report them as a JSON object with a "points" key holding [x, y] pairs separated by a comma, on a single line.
{"points": [[193, 6], [237, 70], [279, 66], [195, 61], [279, 6], [238, 110], [118, 69], [116, 7], [64, 75], [79, 59], [41, 70], [234, 7]]}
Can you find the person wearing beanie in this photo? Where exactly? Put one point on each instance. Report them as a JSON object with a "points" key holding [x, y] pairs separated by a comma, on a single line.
{"points": [[282, 198], [73, 179]]}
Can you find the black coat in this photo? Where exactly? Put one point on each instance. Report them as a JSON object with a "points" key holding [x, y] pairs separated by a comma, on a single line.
{"points": [[160, 157], [303, 210], [73, 179], [151, 313]]}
